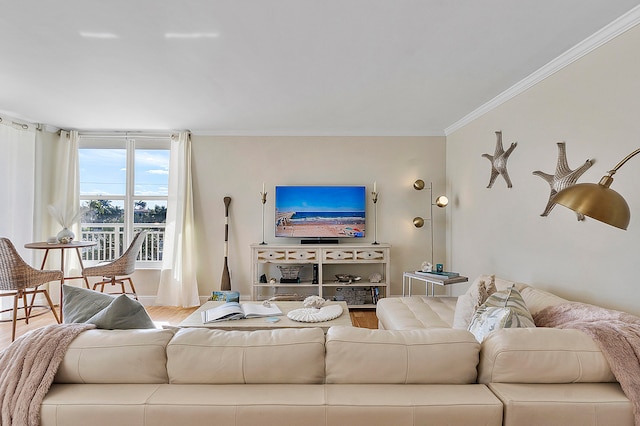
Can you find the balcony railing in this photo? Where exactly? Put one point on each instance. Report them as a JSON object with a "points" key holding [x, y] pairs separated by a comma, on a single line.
{"points": [[111, 241]]}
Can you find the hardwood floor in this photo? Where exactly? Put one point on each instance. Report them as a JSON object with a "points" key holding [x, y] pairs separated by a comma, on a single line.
{"points": [[364, 318], [163, 314]]}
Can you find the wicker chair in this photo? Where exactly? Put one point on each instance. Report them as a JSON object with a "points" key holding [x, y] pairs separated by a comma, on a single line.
{"points": [[115, 272], [18, 279]]}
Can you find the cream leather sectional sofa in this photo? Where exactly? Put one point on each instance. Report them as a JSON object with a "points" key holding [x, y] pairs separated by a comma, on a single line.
{"points": [[542, 376], [418, 370], [351, 376]]}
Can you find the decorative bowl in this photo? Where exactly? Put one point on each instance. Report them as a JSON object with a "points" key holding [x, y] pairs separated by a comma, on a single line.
{"points": [[346, 278]]}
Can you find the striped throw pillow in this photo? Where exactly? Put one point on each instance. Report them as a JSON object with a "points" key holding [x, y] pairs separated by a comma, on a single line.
{"points": [[503, 309]]}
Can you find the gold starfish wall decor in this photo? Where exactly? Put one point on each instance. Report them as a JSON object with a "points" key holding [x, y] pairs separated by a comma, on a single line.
{"points": [[499, 161], [563, 178]]}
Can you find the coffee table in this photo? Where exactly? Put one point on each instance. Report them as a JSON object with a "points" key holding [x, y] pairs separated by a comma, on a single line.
{"points": [[195, 319]]}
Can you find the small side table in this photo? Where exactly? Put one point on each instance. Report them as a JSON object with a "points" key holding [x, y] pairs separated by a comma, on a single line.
{"points": [[43, 245], [407, 278]]}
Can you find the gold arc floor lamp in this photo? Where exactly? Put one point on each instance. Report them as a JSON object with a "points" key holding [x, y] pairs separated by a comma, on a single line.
{"points": [[441, 202], [597, 200]]}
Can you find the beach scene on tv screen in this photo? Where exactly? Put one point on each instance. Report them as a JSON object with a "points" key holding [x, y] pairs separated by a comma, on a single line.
{"points": [[320, 211]]}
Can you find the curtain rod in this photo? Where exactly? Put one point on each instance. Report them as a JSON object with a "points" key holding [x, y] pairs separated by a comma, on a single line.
{"points": [[19, 124], [132, 135]]}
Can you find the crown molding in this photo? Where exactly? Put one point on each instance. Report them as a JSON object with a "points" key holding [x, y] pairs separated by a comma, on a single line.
{"points": [[604, 35], [297, 133]]}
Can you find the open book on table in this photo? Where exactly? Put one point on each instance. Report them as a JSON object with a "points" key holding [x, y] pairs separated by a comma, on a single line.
{"points": [[235, 310]]}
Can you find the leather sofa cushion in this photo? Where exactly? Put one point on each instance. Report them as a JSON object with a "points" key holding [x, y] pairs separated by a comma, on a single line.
{"points": [[572, 404], [209, 356], [359, 355], [410, 405], [97, 404], [237, 405], [541, 355], [116, 356], [416, 312]]}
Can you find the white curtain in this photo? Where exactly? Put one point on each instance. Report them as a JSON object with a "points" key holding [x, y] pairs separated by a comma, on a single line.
{"points": [[178, 285], [17, 173], [65, 191]]}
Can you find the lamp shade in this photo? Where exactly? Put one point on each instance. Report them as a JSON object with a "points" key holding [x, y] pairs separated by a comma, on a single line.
{"points": [[596, 201], [442, 201]]}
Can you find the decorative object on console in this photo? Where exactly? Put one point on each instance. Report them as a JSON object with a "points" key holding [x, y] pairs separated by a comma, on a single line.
{"points": [[375, 278], [346, 278], [597, 200], [426, 266], [290, 273], [499, 161], [326, 313], [374, 198], [225, 283], [441, 201], [263, 198], [313, 302], [563, 178]]}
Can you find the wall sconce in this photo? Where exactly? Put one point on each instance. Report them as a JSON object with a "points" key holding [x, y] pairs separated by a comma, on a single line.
{"points": [[441, 202], [597, 200]]}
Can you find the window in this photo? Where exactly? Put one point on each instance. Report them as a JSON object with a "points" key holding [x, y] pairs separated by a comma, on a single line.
{"points": [[124, 186]]}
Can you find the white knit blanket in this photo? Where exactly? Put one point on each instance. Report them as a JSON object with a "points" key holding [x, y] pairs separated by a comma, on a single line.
{"points": [[616, 333], [27, 369]]}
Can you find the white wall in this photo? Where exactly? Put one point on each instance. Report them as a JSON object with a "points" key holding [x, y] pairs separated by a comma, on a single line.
{"points": [[594, 106], [237, 167]]}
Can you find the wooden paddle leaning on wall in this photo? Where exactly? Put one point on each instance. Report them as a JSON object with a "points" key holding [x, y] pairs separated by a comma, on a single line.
{"points": [[225, 284]]}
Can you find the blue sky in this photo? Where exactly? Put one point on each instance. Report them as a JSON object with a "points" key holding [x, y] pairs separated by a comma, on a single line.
{"points": [[103, 172], [320, 198]]}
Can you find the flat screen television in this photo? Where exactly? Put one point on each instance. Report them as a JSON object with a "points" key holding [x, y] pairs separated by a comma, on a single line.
{"points": [[320, 212]]}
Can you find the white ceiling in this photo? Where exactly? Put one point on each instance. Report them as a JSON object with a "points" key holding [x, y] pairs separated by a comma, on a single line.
{"points": [[264, 67]]}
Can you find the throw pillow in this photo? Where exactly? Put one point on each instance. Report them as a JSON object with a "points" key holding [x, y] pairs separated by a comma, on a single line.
{"points": [[122, 314], [503, 309], [468, 303], [490, 285], [81, 305], [464, 311]]}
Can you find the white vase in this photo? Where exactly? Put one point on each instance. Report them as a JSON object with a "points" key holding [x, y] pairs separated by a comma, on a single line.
{"points": [[65, 236]]}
